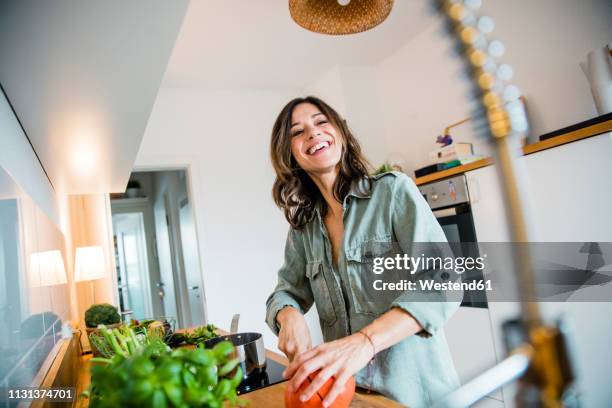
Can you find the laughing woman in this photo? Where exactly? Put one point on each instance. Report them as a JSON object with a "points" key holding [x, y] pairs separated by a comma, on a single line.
{"points": [[396, 346]]}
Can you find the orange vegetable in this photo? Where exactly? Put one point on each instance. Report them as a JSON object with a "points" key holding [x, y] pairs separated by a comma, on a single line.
{"points": [[292, 399]]}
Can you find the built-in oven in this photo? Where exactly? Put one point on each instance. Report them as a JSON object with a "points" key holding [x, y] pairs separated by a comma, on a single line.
{"points": [[450, 202]]}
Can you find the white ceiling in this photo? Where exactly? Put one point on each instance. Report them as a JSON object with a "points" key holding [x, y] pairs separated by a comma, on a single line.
{"points": [[82, 76], [246, 44]]}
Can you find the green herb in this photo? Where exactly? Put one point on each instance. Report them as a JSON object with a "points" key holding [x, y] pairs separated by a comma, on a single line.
{"points": [[141, 373], [124, 341], [384, 168], [101, 314], [201, 334]]}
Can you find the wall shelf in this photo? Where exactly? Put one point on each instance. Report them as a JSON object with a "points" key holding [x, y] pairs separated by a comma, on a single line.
{"points": [[559, 140]]}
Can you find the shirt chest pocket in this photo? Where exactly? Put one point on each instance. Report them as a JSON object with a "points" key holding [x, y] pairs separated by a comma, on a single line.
{"points": [[366, 271], [321, 291]]}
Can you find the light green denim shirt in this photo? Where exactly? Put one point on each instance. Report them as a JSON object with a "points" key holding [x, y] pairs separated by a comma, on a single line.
{"points": [[416, 371]]}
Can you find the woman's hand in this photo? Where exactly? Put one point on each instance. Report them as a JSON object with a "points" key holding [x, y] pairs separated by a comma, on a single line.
{"points": [[340, 358], [294, 336]]}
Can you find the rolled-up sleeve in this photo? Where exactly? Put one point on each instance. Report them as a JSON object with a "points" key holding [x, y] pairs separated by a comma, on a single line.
{"points": [[414, 224], [292, 288]]}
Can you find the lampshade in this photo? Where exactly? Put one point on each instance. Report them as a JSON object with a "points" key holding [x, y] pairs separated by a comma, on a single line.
{"points": [[89, 264], [47, 269], [339, 16]]}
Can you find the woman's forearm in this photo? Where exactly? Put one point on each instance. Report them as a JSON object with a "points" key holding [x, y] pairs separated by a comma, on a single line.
{"points": [[390, 328]]}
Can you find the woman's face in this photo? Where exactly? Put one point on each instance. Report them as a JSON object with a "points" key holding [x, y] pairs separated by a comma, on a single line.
{"points": [[316, 144]]}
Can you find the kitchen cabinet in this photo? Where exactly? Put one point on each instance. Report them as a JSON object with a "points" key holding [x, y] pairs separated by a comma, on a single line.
{"points": [[487, 204], [567, 190], [570, 191], [470, 340], [472, 332]]}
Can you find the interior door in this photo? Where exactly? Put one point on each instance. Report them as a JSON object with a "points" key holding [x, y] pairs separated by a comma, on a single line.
{"points": [[191, 259], [133, 263], [166, 263]]}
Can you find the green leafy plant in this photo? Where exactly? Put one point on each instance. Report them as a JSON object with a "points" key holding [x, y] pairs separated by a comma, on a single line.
{"points": [[124, 341], [201, 334], [141, 373], [140, 325], [173, 339], [384, 168], [102, 313], [162, 326]]}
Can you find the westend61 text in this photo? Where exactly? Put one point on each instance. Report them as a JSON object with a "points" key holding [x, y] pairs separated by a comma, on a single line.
{"points": [[431, 284]]}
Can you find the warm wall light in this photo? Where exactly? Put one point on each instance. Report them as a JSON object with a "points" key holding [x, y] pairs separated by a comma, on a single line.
{"points": [[89, 264], [47, 269], [84, 158]]}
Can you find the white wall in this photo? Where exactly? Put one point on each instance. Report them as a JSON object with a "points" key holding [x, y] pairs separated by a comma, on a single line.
{"points": [[224, 139], [421, 88], [330, 88]]}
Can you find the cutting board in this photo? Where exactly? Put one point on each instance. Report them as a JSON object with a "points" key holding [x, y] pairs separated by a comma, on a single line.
{"points": [[274, 397]]}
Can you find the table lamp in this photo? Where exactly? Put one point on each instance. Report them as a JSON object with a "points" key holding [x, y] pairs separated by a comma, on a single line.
{"points": [[89, 265], [47, 269]]}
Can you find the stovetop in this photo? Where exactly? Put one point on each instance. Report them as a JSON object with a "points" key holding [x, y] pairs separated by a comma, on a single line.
{"points": [[273, 374]]}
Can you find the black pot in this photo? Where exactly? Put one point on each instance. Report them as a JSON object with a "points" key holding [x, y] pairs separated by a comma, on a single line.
{"points": [[249, 349]]}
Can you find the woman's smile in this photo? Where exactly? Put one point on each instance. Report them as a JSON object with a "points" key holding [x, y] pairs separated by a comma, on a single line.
{"points": [[319, 147]]}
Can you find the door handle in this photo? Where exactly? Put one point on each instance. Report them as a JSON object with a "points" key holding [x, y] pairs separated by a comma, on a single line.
{"points": [[195, 287], [447, 212]]}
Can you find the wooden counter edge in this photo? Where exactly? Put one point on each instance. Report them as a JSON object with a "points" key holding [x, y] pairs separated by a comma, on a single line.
{"points": [[487, 161], [579, 134]]}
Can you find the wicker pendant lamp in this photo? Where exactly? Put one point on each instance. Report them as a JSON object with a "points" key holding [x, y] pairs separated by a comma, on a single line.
{"points": [[337, 17]]}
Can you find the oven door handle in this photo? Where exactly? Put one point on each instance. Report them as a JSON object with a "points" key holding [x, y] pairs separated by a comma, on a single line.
{"points": [[447, 212]]}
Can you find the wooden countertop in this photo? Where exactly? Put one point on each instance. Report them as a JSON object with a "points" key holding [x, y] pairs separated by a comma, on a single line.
{"points": [[570, 136], [274, 397]]}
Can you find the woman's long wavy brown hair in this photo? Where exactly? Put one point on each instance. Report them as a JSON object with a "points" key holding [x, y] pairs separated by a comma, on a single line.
{"points": [[294, 191]]}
